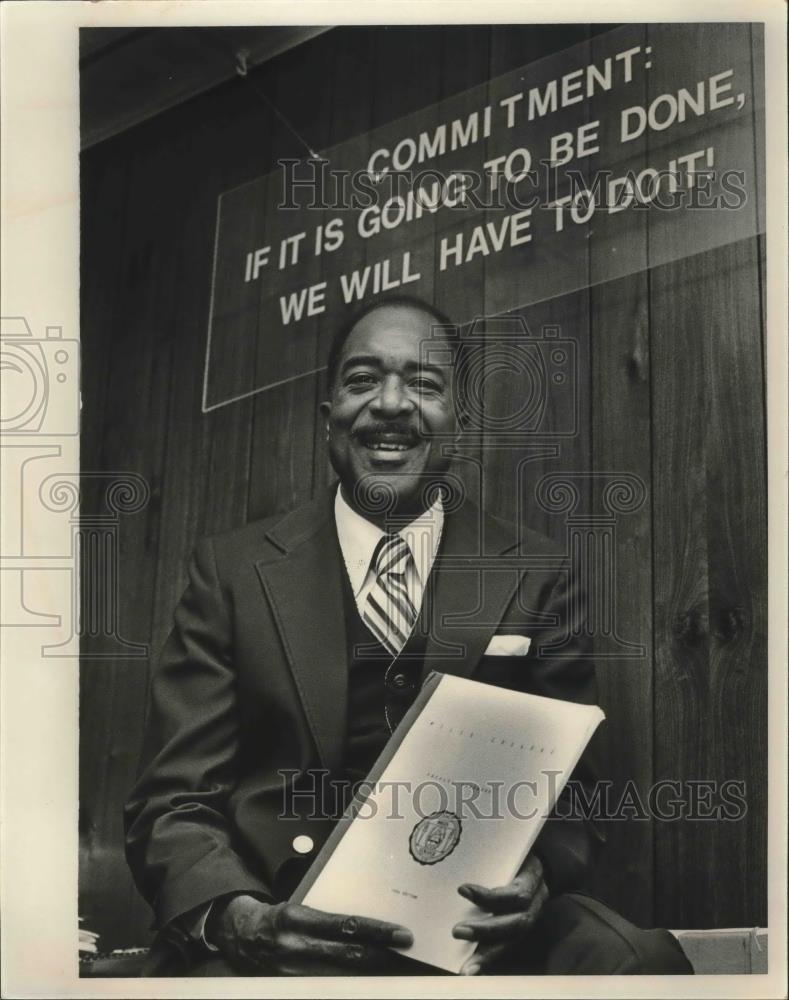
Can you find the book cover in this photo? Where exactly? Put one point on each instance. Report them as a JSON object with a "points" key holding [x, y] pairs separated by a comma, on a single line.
{"points": [[459, 795]]}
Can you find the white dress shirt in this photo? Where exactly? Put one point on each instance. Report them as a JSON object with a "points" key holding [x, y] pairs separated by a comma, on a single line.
{"points": [[358, 538]]}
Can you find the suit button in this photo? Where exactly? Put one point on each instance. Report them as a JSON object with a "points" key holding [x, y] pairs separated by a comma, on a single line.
{"points": [[399, 680], [303, 844]]}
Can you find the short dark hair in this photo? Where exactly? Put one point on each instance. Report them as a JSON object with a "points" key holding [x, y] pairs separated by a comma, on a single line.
{"points": [[406, 301]]}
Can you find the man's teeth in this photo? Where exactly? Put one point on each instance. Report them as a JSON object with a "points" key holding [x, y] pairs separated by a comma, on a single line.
{"points": [[388, 446]]}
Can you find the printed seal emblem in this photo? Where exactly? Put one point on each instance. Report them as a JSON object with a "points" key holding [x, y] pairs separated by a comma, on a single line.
{"points": [[434, 837]]}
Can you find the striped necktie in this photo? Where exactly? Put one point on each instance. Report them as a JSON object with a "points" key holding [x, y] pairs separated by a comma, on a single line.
{"points": [[388, 611]]}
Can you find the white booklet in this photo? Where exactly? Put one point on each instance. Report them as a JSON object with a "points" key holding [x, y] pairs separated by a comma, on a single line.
{"points": [[459, 795]]}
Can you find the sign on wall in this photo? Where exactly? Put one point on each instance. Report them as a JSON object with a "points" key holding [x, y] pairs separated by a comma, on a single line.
{"points": [[634, 149]]}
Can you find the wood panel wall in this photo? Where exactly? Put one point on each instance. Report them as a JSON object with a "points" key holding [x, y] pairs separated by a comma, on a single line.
{"points": [[672, 391]]}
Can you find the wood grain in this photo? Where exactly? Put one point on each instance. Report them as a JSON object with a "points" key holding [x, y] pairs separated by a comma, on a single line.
{"points": [[621, 428], [709, 577], [111, 752], [620, 445]]}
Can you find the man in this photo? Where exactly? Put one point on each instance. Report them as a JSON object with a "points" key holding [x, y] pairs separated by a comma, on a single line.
{"points": [[300, 642]]}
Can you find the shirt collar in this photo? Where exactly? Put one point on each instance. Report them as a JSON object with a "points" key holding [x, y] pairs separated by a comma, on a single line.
{"points": [[358, 538]]}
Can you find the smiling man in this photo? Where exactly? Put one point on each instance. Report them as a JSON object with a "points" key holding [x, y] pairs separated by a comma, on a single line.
{"points": [[298, 645], [391, 415]]}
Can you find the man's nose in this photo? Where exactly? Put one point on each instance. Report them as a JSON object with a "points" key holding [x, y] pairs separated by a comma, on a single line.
{"points": [[391, 398]]}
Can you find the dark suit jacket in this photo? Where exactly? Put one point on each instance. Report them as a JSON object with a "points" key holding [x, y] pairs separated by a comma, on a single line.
{"points": [[253, 679]]}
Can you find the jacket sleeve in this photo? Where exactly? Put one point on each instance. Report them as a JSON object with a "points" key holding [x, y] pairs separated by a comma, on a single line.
{"points": [[179, 843], [560, 665]]}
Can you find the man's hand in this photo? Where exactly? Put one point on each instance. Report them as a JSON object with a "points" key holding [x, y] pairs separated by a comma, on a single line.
{"points": [[287, 939], [513, 908]]}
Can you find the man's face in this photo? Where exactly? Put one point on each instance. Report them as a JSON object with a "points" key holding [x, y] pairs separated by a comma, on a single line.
{"points": [[388, 416]]}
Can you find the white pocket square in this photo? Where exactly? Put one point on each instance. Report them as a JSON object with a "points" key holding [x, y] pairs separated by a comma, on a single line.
{"points": [[508, 645]]}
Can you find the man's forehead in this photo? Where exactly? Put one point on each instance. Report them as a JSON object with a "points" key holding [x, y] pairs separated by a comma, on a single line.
{"points": [[396, 329]]}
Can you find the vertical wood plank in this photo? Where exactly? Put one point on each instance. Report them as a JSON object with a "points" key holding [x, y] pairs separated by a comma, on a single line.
{"points": [[101, 220], [511, 476], [283, 441], [710, 573], [621, 444], [621, 424], [737, 578]]}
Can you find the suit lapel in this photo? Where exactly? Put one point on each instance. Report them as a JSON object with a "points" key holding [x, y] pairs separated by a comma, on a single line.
{"points": [[468, 595], [467, 600], [304, 589]]}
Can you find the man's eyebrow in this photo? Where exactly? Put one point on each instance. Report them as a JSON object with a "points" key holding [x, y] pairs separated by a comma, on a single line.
{"points": [[361, 359], [375, 362]]}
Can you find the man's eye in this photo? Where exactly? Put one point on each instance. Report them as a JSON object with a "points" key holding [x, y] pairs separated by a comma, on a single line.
{"points": [[426, 385], [360, 380]]}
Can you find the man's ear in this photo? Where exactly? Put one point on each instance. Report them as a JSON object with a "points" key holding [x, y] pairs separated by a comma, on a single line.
{"points": [[324, 409]]}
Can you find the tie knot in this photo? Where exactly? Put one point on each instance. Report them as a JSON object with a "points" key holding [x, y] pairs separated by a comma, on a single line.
{"points": [[392, 555]]}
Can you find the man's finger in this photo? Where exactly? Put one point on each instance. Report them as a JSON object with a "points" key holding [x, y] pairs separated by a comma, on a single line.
{"points": [[304, 949], [501, 927], [512, 898], [504, 927], [345, 927]]}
